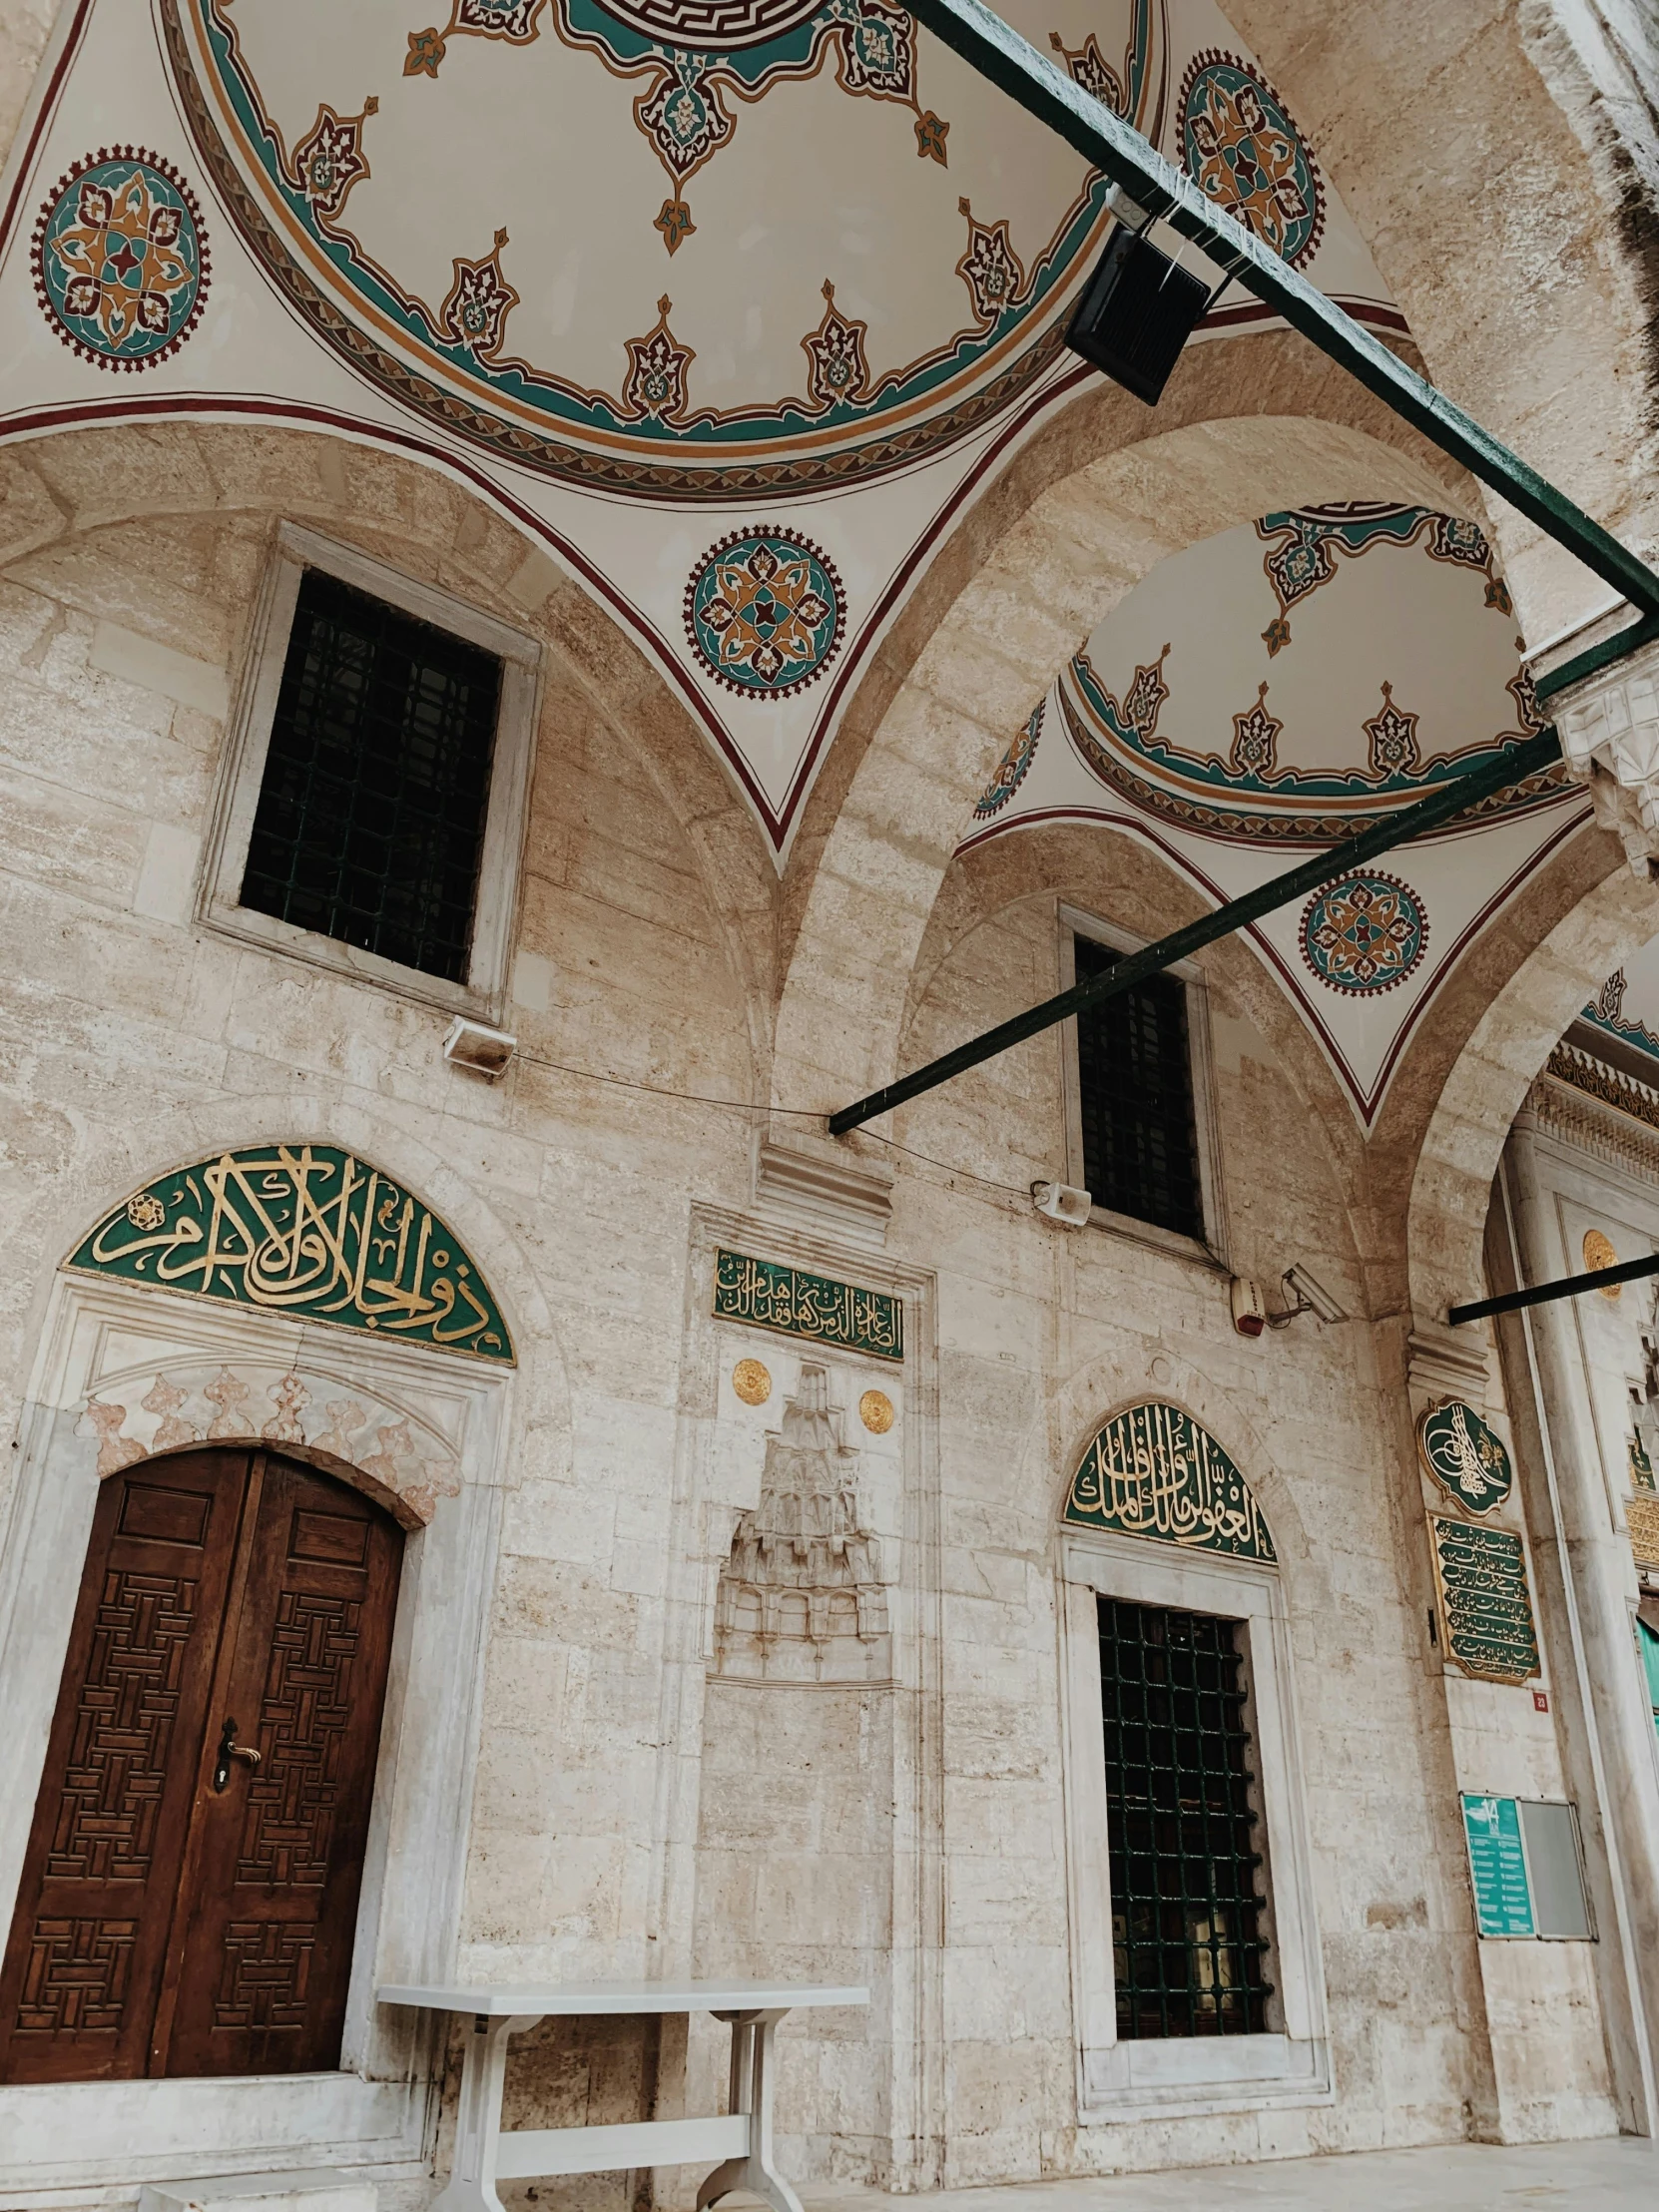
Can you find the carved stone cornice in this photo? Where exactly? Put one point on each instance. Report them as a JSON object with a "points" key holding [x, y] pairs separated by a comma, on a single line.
{"points": [[1583, 1102], [1609, 730]]}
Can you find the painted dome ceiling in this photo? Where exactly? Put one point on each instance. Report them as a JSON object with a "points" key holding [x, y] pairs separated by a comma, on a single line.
{"points": [[1277, 688], [733, 305]]}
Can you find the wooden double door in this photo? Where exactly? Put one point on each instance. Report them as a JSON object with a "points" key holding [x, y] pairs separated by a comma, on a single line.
{"points": [[190, 1893]]}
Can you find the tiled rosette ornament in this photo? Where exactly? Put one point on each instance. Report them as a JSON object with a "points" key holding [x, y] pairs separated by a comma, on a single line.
{"points": [[121, 259], [765, 612], [1364, 933]]}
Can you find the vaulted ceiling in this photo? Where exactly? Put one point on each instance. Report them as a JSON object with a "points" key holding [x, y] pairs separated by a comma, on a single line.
{"points": [[735, 307]]}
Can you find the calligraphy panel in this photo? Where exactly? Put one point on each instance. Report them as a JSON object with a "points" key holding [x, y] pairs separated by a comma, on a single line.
{"points": [[766, 1294], [1484, 1600], [308, 1232], [1154, 1472], [1463, 1455]]}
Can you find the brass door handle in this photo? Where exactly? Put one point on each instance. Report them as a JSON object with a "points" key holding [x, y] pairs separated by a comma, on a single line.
{"points": [[229, 1749]]}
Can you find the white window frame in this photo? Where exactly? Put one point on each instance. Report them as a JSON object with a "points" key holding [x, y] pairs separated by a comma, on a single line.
{"points": [[1177, 2076], [241, 774], [1211, 1245]]}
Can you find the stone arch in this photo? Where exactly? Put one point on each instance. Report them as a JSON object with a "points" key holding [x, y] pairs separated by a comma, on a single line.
{"points": [[1111, 872], [1049, 550], [1451, 1188], [1516, 145], [229, 484]]}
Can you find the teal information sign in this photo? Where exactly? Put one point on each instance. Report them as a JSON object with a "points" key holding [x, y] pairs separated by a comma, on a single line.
{"points": [[1502, 1895]]}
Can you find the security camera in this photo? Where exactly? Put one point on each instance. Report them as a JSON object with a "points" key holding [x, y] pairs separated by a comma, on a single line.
{"points": [[1311, 1297]]}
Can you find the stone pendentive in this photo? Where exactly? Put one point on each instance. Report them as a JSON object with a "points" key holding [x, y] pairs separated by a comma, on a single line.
{"points": [[801, 1596]]}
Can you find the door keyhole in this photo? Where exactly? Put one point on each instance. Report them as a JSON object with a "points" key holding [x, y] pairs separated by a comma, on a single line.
{"points": [[229, 1749]]}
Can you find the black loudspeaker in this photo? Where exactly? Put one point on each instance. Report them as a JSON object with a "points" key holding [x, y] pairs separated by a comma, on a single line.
{"points": [[1136, 313]]}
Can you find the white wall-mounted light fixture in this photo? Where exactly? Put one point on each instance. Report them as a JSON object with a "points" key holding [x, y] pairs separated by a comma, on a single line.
{"points": [[482, 1051], [1062, 1202]]}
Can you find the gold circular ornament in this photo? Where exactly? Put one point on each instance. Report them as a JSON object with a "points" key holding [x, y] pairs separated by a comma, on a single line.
{"points": [[875, 1412], [752, 1382], [1599, 1253]]}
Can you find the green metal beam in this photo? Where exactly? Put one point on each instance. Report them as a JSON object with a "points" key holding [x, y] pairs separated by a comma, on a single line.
{"points": [[985, 42], [1442, 806], [1454, 796], [1564, 1285]]}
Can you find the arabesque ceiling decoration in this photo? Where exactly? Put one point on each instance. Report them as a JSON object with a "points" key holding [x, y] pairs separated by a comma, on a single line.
{"points": [[663, 281], [734, 307], [1278, 687]]}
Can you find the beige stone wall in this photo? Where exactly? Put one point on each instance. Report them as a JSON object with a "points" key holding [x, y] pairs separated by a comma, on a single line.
{"points": [[603, 1842]]}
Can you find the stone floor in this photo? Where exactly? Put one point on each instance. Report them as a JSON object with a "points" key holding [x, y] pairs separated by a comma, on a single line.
{"points": [[1618, 2175]]}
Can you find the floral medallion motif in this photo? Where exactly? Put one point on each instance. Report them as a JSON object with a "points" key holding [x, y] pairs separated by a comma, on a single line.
{"points": [[1244, 152], [1013, 768], [765, 612], [1364, 933], [121, 263]]}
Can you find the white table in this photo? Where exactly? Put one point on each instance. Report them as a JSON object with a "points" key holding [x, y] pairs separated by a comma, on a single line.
{"points": [[741, 2138]]}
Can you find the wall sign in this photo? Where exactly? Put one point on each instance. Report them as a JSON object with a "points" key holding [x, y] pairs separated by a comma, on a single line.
{"points": [[1153, 1471], [1463, 1455], [766, 1294], [1484, 1600], [308, 1232], [1527, 1867], [1498, 1865]]}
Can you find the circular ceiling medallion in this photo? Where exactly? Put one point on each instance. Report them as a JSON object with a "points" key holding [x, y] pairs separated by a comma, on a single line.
{"points": [[1240, 147], [765, 612], [1364, 933], [752, 1381], [875, 1412], [713, 26], [121, 264], [1011, 770]]}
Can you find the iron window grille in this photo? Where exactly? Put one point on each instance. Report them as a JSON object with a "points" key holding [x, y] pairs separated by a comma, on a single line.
{"points": [[1135, 1097], [1188, 1952], [372, 812]]}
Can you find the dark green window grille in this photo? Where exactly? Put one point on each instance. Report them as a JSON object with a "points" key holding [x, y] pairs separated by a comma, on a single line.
{"points": [[1135, 1086], [370, 820], [1188, 1954]]}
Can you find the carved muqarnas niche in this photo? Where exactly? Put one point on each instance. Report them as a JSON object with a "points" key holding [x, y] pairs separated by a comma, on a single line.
{"points": [[802, 1597]]}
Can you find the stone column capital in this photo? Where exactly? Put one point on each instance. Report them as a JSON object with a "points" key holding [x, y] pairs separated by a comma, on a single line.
{"points": [[1609, 731]]}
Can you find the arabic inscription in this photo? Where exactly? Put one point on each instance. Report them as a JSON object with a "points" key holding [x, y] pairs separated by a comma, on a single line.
{"points": [[1154, 1472], [310, 1232], [767, 1295]]}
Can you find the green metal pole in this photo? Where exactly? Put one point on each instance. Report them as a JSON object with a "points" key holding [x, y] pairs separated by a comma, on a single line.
{"points": [[985, 42], [1454, 796]]}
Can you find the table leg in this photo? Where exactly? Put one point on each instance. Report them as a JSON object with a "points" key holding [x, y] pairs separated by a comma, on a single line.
{"points": [[478, 2119], [753, 2056]]}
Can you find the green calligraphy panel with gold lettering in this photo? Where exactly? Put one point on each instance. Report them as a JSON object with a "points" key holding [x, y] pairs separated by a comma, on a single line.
{"points": [[308, 1232], [1484, 1600], [1154, 1472], [767, 1295]]}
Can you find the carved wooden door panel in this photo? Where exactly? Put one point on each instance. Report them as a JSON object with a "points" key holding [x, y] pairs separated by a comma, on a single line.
{"points": [[266, 1953], [89, 1940], [186, 1909]]}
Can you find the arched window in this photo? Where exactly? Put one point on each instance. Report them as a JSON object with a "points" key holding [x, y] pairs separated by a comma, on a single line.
{"points": [[190, 1893], [1193, 1933]]}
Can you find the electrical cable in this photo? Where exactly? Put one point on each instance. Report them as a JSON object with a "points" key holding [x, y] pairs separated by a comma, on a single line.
{"points": [[748, 1106]]}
